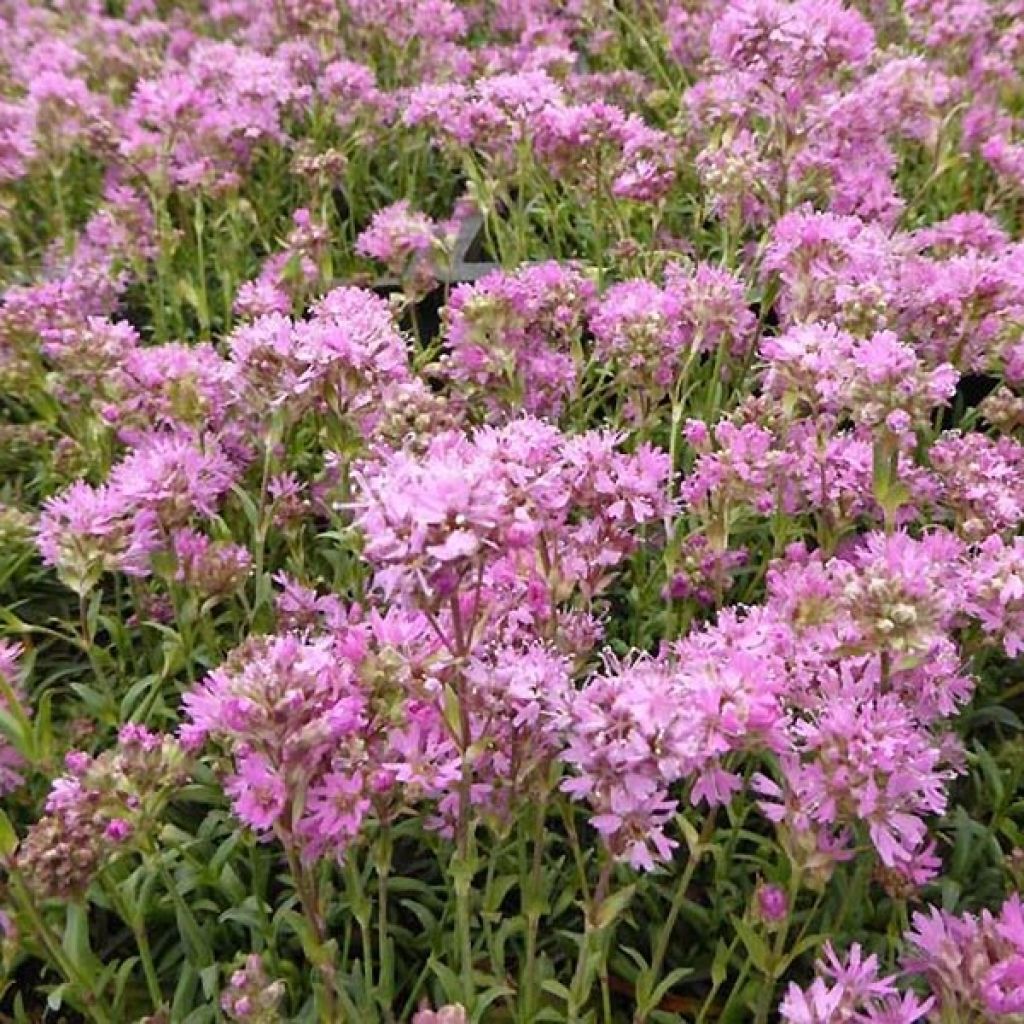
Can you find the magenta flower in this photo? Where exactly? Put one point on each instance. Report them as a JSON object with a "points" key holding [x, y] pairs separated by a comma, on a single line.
{"points": [[341, 359], [995, 593], [642, 727], [852, 991], [403, 240], [973, 964], [173, 479], [292, 712], [12, 674], [210, 568], [772, 903], [258, 793], [177, 388], [196, 124], [337, 805], [638, 325], [431, 522], [87, 531], [515, 339], [17, 148], [862, 761]]}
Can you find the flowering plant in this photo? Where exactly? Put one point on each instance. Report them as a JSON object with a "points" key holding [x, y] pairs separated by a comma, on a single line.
{"points": [[511, 512]]}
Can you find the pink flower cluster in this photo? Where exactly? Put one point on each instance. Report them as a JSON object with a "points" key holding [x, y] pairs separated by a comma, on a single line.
{"points": [[515, 339], [99, 808], [592, 146], [12, 689], [703, 503], [159, 486], [653, 334], [559, 511], [972, 966]]}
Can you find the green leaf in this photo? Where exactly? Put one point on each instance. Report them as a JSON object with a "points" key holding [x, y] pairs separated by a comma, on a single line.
{"points": [[690, 834], [8, 837], [450, 984], [76, 937], [806, 943], [43, 731], [55, 1000], [487, 998], [757, 949], [666, 984], [247, 916], [993, 776], [556, 988], [614, 906], [197, 946], [720, 964], [880, 472], [135, 695], [994, 714], [499, 889], [451, 710], [428, 922], [637, 957], [14, 729], [122, 978], [208, 978], [100, 704], [187, 292], [184, 992]]}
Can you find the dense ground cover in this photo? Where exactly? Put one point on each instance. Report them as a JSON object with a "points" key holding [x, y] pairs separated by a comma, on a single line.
{"points": [[510, 511]]}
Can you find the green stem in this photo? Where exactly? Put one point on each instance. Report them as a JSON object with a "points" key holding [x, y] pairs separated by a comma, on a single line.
{"points": [[532, 909], [678, 899], [202, 298], [463, 927], [137, 925], [737, 989], [63, 225], [579, 990], [89, 646], [462, 867], [709, 1000], [361, 910], [311, 911], [95, 1004], [386, 971], [767, 992]]}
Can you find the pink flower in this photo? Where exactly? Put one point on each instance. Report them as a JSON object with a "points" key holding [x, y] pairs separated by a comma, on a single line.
{"points": [[772, 903], [173, 479], [851, 991], [210, 568], [636, 324], [642, 727], [12, 673], [399, 237], [429, 522], [995, 593], [514, 338], [174, 387], [341, 359], [973, 964], [337, 804], [856, 760], [257, 792], [198, 122], [118, 830], [87, 531]]}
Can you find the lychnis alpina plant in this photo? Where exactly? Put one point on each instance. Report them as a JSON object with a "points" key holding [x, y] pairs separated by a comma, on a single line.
{"points": [[512, 512]]}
